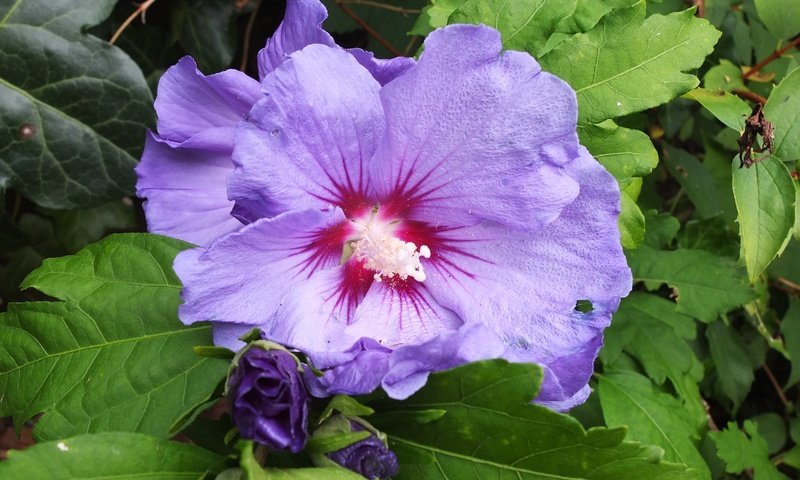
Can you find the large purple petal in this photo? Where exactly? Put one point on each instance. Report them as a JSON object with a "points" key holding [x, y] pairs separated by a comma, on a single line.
{"points": [[189, 102], [184, 187], [527, 289], [301, 26], [242, 277], [310, 137], [476, 133], [410, 365], [355, 371], [382, 70]]}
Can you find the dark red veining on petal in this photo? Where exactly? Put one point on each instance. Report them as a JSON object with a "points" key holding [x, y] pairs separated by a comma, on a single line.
{"points": [[323, 248], [355, 283]]}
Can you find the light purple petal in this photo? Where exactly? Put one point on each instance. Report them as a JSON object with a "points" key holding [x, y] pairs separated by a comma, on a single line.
{"points": [[410, 365], [382, 70], [189, 102], [355, 371], [242, 277], [400, 316], [527, 289], [310, 137], [227, 334], [184, 187], [301, 26], [477, 133]]}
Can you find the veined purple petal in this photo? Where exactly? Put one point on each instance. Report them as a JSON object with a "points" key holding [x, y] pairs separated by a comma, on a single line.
{"points": [[184, 187], [227, 334], [355, 371], [527, 288], [310, 137], [242, 277], [301, 26], [410, 365], [189, 102], [474, 133], [383, 70]]}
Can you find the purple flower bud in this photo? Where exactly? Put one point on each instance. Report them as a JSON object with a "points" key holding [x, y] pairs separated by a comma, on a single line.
{"points": [[269, 402], [370, 458]]}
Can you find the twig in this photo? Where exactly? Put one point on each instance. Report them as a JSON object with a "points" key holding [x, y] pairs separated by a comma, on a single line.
{"points": [[753, 97], [701, 7], [384, 6], [248, 30], [411, 43], [774, 55], [141, 9], [371, 31], [787, 405], [787, 286], [712, 425]]}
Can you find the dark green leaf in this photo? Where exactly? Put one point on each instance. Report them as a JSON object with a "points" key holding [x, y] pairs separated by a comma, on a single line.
{"points": [[492, 431], [208, 32], [524, 26], [698, 184], [110, 455], [661, 229], [648, 328], [772, 428], [253, 471], [783, 110], [655, 418], [77, 228], [790, 328], [782, 18], [725, 76], [74, 108], [706, 285], [112, 355], [734, 370], [742, 450], [765, 196], [627, 64]]}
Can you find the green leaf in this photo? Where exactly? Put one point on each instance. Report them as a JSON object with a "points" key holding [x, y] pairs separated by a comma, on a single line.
{"points": [[706, 285], [110, 455], [772, 428], [73, 109], [208, 32], [77, 228], [631, 222], [661, 229], [624, 152], [112, 355], [742, 450], [434, 16], [725, 76], [253, 471], [627, 64], [783, 110], [648, 328], [629, 399], [733, 366], [765, 196], [782, 18], [790, 328], [726, 107], [696, 181], [524, 26], [491, 430]]}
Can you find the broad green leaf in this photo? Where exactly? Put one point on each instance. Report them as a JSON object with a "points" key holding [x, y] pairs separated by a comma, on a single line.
{"points": [[524, 26], [624, 152], [725, 76], [434, 16], [631, 222], [726, 107], [698, 184], [733, 366], [112, 356], [706, 285], [661, 229], [73, 108], [783, 110], [742, 450], [765, 196], [790, 328], [110, 455], [588, 12], [782, 18], [649, 329], [208, 32], [772, 428], [792, 457], [628, 63], [77, 228], [710, 234], [253, 471], [491, 430], [629, 400]]}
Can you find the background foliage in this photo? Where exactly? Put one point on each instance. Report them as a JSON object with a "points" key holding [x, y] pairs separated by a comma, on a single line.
{"points": [[699, 374]]}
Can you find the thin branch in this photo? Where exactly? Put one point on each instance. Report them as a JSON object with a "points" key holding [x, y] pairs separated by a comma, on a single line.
{"points": [[248, 30], [371, 31], [701, 7], [787, 286], [786, 403], [753, 97], [773, 56], [141, 9], [384, 6]]}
